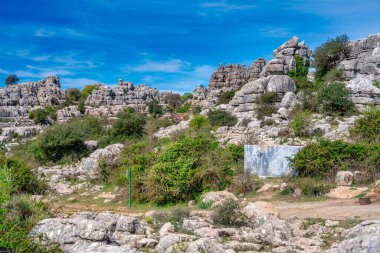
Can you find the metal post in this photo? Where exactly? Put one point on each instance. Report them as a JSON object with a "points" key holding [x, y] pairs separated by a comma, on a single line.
{"points": [[129, 172]]}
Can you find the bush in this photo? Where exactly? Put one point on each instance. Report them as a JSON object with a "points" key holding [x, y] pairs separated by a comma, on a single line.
{"points": [[23, 178], [376, 84], [184, 108], [196, 109], [73, 95], [226, 97], [325, 158], [310, 187], [302, 68], [335, 99], [198, 122], [130, 124], [39, 116], [204, 204], [186, 96], [308, 101], [300, 124], [66, 140], [221, 118], [173, 100], [334, 75], [303, 83], [227, 214], [367, 129], [155, 108], [266, 104], [81, 107], [329, 54]]}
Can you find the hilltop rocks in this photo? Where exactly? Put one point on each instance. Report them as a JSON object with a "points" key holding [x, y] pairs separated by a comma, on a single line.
{"points": [[364, 58], [17, 99]]}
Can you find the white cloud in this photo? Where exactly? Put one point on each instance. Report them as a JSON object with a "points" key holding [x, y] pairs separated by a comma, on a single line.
{"points": [[275, 32], [223, 6], [44, 33], [3, 71], [41, 58], [170, 66]]}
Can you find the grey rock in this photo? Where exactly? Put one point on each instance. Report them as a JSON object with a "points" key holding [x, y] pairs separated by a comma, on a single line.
{"points": [[344, 178], [205, 245]]}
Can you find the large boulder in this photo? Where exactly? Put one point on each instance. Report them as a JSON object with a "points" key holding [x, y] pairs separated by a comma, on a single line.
{"points": [[205, 245]]}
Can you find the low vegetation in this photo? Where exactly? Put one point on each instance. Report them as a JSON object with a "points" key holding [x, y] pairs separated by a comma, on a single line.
{"points": [[266, 104], [367, 128], [226, 97], [325, 158], [335, 99], [221, 118]]}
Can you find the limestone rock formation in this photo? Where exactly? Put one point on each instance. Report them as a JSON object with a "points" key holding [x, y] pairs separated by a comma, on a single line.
{"points": [[364, 58]]}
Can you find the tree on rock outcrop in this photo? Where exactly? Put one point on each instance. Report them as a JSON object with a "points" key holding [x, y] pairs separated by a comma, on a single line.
{"points": [[329, 54], [11, 79]]}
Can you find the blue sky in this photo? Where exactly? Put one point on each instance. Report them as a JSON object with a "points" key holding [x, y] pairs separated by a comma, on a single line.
{"points": [[170, 45]]}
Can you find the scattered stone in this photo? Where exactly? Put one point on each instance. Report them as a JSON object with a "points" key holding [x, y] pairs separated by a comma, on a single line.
{"points": [[166, 229], [297, 193], [268, 188], [344, 178]]}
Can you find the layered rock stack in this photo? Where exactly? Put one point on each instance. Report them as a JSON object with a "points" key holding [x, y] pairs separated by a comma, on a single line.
{"points": [[17, 99], [362, 69], [107, 101], [235, 76]]}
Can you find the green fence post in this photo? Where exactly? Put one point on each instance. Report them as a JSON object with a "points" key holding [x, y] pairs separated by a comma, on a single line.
{"points": [[129, 172]]}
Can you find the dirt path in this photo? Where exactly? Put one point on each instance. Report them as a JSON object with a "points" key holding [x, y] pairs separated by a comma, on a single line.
{"points": [[336, 209]]}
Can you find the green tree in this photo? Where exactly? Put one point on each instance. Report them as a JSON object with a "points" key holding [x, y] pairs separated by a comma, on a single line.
{"points": [[39, 116], [186, 96], [87, 90], [11, 79], [155, 108], [73, 95], [302, 68], [329, 54]]}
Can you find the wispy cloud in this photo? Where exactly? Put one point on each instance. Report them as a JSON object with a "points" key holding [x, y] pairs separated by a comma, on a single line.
{"points": [[59, 32], [224, 6], [169, 66], [275, 32], [3, 71]]}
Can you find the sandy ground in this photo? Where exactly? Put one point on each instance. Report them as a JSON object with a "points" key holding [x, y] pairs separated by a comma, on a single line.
{"points": [[336, 209]]}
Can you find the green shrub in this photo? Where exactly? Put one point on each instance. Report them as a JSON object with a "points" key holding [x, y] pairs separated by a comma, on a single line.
{"points": [[184, 108], [23, 178], [300, 124], [66, 140], [334, 75], [227, 214], [178, 215], [196, 109], [266, 104], [329, 54], [324, 158], [198, 122], [226, 97], [308, 101], [39, 116], [302, 68], [81, 106], [367, 128], [186, 96], [303, 83], [310, 187], [335, 99], [173, 100], [221, 118], [376, 84], [73, 95], [204, 204], [155, 108], [129, 124]]}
